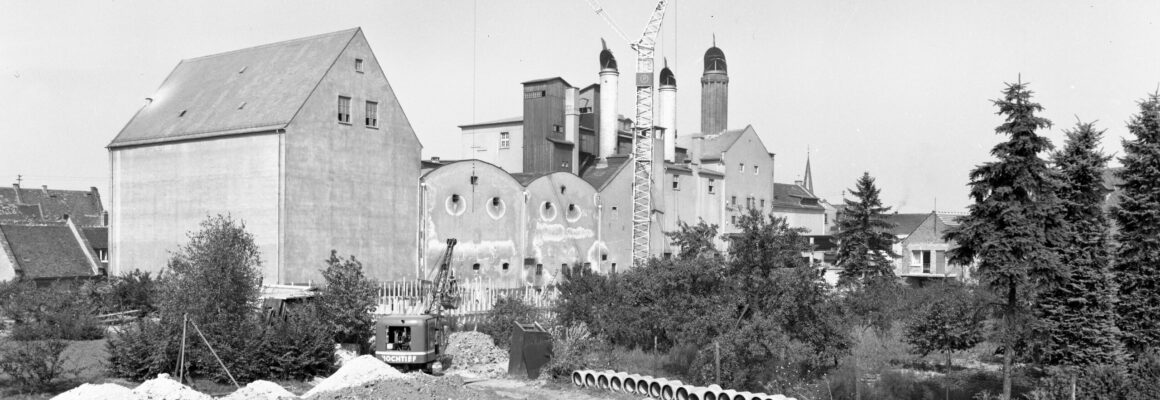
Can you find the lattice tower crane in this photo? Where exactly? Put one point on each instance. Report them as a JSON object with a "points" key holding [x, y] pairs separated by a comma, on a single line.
{"points": [[643, 128]]}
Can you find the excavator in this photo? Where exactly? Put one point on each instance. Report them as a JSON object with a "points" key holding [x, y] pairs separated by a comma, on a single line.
{"points": [[417, 340]]}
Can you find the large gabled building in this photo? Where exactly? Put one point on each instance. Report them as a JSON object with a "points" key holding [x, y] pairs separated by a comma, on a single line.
{"points": [[303, 140]]}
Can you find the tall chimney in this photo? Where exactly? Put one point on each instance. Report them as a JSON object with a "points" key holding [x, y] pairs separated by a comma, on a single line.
{"points": [[609, 79], [572, 126], [667, 112], [714, 92]]}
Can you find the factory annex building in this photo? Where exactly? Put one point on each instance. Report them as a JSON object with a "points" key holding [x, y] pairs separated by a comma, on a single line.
{"points": [[305, 141], [302, 140]]}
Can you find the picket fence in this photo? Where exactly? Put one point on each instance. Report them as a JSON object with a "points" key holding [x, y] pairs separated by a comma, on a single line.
{"points": [[478, 296]]}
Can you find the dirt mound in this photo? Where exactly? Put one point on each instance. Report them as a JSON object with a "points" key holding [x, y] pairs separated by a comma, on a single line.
{"points": [[359, 371], [165, 388], [88, 391], [262, 390], [474, 353], [419, 387]]}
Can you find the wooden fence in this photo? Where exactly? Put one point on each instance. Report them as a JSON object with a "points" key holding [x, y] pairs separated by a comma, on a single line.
{"points": [[478, 296]]}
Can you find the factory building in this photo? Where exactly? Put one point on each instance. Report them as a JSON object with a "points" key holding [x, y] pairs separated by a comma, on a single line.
{"points": [[302, 140]]}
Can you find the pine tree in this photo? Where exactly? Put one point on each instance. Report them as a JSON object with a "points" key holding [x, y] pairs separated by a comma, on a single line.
{"points": [[865, 247], [1014, 226], [1138, 218], [1076, 320]]}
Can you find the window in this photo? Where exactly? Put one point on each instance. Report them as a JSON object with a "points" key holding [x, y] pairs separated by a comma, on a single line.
{"points": [[372, 114], [733, 200], [921, 258], [505, 140], [533, 94], [756, 169], [557, 129], [539, 269], [733, 219], [586, 110], [358, 62], [762, 204], [475, 181], [475, 267], [505, 266], [750, 202], [712, 185], [343, 110], [613, 268], [604, 257], [676, 182], [615, 213], [741, 167], [103, 255]]}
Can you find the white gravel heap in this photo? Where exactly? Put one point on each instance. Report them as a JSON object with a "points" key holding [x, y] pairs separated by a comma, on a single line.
{"points": [[262, 390], [356, 372], [88, 391], [165, 388]]}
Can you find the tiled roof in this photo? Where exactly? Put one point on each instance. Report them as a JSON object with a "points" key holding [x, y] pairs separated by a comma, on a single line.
{"points": [[787, 195], [713, 145], [905, 224], [599, 177], [46, 251], [48, 205], [249, 90], [98, 237]]}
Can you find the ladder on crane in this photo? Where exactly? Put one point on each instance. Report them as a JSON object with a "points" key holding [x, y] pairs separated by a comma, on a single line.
{"points": [[643, 128]]}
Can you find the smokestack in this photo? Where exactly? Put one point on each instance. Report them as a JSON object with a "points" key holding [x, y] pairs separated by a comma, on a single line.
{"points": [[714, 92], [609, 79], [667, 112], [572, 126]]}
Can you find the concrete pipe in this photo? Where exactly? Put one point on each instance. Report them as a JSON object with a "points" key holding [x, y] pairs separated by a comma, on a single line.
{"points": [[603, 379], [630, 383], [746, 396], [727, 394], [777, 397], [654, 387], [589, 378], [616, 382], [681, 392], [578, 377], [643, 383], [669, 390], [702, 393]]}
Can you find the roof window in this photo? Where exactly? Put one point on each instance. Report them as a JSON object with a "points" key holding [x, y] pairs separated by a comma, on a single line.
{"points": [[241, 106], [242, 70], [181, 114]]}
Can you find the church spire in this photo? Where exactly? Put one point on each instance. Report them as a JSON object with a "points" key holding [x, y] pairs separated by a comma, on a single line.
{"points": [[808, 179]]}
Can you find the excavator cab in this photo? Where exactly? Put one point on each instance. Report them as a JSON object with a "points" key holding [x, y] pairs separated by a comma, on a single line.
{"points": [[412, 341]]}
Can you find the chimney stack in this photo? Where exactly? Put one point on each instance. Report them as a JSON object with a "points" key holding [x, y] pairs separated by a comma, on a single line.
{"points": [[572, 126], [667, 112], [714, 92], [609, 80]]}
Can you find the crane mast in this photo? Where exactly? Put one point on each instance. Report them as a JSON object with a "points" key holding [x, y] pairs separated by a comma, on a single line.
{"points": [[643, 132]]}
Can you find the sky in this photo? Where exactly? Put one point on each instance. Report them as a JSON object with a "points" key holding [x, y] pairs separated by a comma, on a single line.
{"points": [[900, 89]]}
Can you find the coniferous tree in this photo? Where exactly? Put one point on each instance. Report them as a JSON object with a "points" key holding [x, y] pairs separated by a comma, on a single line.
{"points": [[1013, 227], [1076, 320], [1138, 219], [865, 246]]}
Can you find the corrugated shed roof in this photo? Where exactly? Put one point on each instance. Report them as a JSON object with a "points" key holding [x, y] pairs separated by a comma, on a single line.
{"points": [[249, 90], [46, 251], [46, 205], [905, 224], [98, 237], [600, 177]]}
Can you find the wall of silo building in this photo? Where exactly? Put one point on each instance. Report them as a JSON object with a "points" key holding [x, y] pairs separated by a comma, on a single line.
{"points": [[562, 223], [482, 207]]}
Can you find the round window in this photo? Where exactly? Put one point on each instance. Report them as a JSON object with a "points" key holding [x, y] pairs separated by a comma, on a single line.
{"points": [[456, 204], [573, 213], [496, 208], [547, 211]]}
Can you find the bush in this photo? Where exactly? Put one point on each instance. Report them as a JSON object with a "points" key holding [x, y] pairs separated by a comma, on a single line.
{"points": [[54, 312], [34, 364], [501, 320], [571, 350], [136, 290], [142, 350], [298, 346], [347, 300]]}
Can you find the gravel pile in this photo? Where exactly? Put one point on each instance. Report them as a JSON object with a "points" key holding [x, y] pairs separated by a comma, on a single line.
{"points": [[473, 354], [165, 388], [88, 391], [360, 371], [420, 387], [262, 390]]}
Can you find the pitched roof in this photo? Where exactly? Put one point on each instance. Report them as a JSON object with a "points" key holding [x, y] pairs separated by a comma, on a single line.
{"points": [[787, 195], [715, 144], [526, 178], [250, 90], [600, 177], [46, 251], [504, 121], [905, 224], [98, 237], [43, 205]]}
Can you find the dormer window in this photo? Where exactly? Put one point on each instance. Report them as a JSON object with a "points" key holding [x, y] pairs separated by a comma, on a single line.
{"points": [[358, 65]]}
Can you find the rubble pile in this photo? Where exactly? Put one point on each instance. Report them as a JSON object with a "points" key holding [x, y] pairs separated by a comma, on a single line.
{"points": [[474, 354], [360, 371], [261, 390], [419, 387], [88, 391], [165, 388]]}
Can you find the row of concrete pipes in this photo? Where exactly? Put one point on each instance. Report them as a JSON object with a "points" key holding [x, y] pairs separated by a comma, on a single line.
{"points": [[661, 388]]}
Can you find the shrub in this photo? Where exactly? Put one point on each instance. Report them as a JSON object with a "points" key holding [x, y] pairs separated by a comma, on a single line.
{"points": [[571, 349], [347, 300], [501, 320], [136, 290], [142, 350], [34, 364], [54, 312], [298, 346]]}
